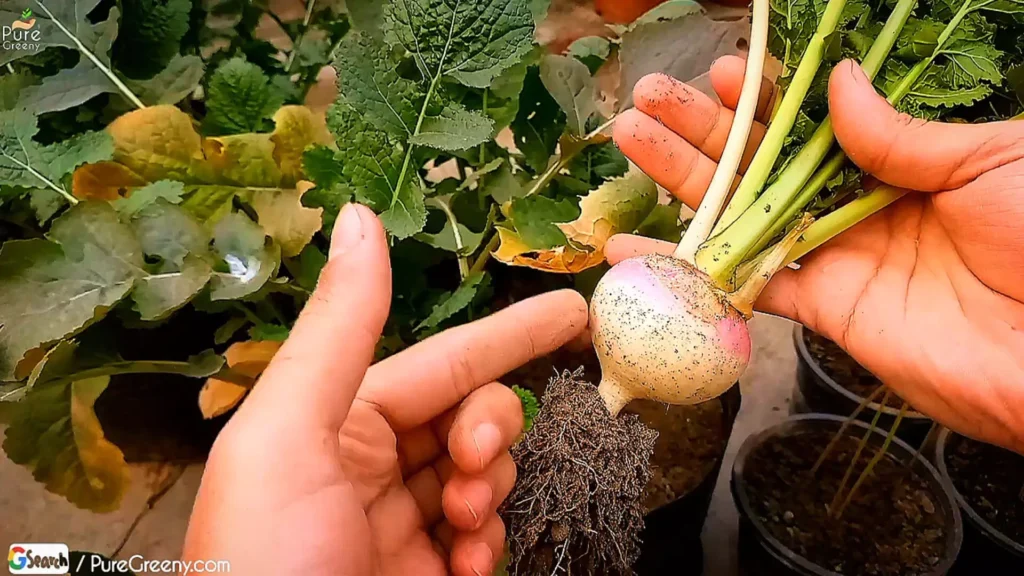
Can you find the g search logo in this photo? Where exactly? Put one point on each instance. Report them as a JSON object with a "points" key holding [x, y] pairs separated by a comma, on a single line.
{"points": [[38, 559]]}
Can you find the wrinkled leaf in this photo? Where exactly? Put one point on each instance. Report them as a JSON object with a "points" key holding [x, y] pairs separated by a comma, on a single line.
{"points": [[247, 262], [285, 219]]}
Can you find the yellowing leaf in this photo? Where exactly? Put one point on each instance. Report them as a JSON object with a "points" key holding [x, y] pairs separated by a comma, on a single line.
{"points": [[243, 160], [619, 205], [55, 433], [159, 143], [246, 358], [104, 181], [561, 260], [217, 397], [296, 128], [285, 219]]}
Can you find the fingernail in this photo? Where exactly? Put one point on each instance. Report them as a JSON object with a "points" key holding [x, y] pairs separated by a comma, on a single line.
{"points": [[477, 496], [348, 231], [487, 439], [481, 559]]}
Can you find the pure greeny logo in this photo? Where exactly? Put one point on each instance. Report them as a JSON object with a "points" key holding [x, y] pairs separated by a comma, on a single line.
{"points": [[22, 35]]}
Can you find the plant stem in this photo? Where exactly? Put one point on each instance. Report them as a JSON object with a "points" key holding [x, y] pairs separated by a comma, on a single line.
{"points": [[860, 449], [761, 166], [481, 260], [249, 314], [302, 33], [25, 166], [96, 61], [416, 130], [744, 298], [460, 246], [720, 256], [718, 191], [135, 367], [874, 461], [842, 429], [567, 154]]}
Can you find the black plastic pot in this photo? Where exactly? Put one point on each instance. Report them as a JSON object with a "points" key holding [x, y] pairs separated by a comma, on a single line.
{"points": [[984, 545], [821, 394], [761, 554], [671, 536]]}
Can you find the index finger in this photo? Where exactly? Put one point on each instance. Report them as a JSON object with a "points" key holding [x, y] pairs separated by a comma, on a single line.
{"points": [[417, 385]]}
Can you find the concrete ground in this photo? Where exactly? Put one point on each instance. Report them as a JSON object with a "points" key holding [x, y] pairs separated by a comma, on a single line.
{"points": [[28, 513]]}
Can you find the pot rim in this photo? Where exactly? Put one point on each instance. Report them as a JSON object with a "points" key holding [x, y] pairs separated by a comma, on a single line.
{"points": [[804, 355], [989, 530], [954, 537]]}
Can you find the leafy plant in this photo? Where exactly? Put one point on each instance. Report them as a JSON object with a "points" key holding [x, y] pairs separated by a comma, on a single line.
{"points": [[157, 174]]}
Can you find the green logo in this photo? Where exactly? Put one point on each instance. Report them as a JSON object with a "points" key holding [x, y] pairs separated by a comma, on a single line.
{"points": [[26, 14]]}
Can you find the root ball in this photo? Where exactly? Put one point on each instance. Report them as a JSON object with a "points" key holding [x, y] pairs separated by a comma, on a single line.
{"points": [[578, 504]]}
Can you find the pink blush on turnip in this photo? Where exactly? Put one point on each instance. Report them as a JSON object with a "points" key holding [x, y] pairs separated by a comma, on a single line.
{"points": [[663, 331]]}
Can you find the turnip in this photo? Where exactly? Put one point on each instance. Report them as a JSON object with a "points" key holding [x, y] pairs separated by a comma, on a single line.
{"points": [[673, 329]]}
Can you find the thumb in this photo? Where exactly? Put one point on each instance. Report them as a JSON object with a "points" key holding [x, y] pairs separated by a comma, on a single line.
{"points": [[317, 372], [909, 152]]}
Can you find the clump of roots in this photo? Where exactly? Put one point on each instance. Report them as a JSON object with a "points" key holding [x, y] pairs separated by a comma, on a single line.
{"points": [[578, 505]]}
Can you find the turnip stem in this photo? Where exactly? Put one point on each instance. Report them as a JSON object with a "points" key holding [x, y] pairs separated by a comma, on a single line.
{"points": [[842, 429], [845, 218], [785, 116], [860, 450], [874, 461], [744, 298], [720, 256], [718, 191]]}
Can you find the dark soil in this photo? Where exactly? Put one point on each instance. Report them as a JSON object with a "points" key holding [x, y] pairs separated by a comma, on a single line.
{"points": [[691, 439], [577, 506], [991, 480], [844, 369], [893, 527]]}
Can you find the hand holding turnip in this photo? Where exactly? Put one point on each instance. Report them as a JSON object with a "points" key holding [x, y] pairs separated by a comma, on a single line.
{"points": [[336, 467], [926, 294]]}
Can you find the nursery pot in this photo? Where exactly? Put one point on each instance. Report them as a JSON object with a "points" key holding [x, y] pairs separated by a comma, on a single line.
{"points": [[984, 544], [762, 554], [671, 541], [821, 394]]}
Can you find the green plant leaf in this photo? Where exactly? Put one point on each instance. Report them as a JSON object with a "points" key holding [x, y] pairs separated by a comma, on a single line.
{"points": [[663, 223], [592, 51], [167, 190], [453, 303], [151, 33], [472, 41], [24, 162], [247, 261], [54, 432], [539, 122], [678, 39], [171, 85], [535, 219], [240, 99], [445, 239], [168, 233], [597, 163], [530, 406], [569, 83], [53, 289], [269, 332], [454, 129], [87, 79], [370, 83], [11, 86]]}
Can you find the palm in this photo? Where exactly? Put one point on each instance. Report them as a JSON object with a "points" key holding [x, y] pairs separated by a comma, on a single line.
{"points": [[395, 526], [925, 294]]}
